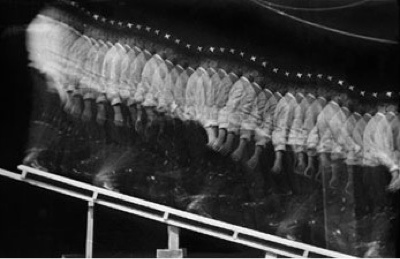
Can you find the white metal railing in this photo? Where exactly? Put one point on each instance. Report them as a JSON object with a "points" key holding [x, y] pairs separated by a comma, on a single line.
{"points": [[272, 245]]}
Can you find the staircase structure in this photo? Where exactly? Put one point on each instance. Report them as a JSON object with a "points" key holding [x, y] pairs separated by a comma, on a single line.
{"points": [[175, 220]]}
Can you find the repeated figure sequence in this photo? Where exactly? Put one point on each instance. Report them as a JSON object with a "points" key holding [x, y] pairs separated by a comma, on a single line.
{"points": [[317, 127], [226, 101]]}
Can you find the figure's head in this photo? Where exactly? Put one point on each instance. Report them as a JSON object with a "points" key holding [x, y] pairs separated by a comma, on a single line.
{"points": [[213, 63], [236, 68], [175, 57], [392, 107], [182, 61], [343, 98], [259, 79], [354, 104], [159, 49], [205, 63], [252, 74], [370, 102], [387, 101], [331, 93], [321, 91], [193, 62], [138, 42], [168, 53], [148, 45], [358, 107], [291, 87], [224, 65]]}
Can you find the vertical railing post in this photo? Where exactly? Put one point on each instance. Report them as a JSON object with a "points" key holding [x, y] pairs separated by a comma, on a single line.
{"points": [[173, 238], [89, 230], [90, 227], [173, 250], [270, 255]]}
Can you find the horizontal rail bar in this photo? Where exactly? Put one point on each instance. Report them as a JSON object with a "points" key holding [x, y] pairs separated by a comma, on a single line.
{"points": [[164, 210]]}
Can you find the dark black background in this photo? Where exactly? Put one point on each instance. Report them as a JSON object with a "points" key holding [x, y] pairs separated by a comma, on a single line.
{"points": [[39, 223]]}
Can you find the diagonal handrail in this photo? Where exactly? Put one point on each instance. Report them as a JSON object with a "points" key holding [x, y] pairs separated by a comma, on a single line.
{"points": [[168, 215]]}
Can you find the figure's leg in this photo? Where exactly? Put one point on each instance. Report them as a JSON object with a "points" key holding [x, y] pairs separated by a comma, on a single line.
{"points": [[237, 155], [44, 130], [212, 134], [228, 146], [217, 145]]}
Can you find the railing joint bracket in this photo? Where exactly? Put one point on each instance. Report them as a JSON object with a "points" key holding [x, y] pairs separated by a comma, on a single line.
{"points": [[93, 200], [166, 215], [24, 174]]}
